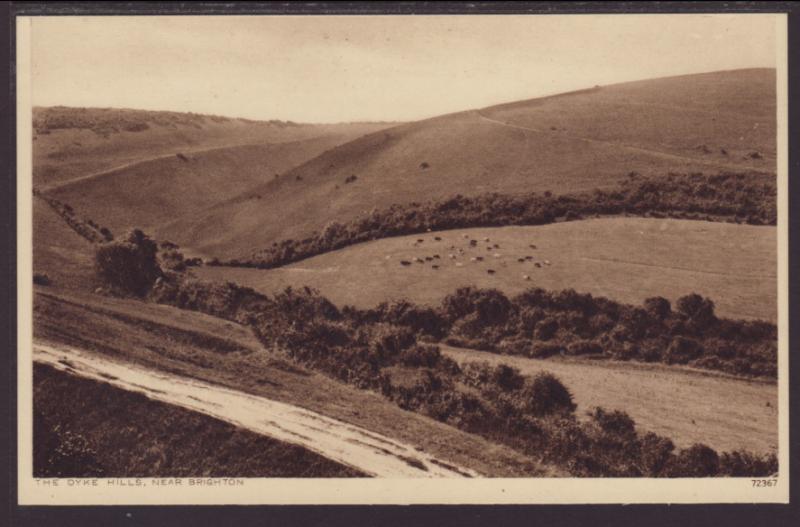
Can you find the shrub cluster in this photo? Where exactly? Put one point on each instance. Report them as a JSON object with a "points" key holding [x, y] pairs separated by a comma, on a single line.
{"points": [[129, 265], [743, 198], [379, 350], [86, 228], [539, 323]]}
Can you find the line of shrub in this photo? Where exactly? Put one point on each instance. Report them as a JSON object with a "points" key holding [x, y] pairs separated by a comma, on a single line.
{"points": [[730, 197], [379, 350], [86, 228]]}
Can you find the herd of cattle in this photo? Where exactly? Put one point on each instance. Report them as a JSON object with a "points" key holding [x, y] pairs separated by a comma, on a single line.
{"points": [[458, 255]]}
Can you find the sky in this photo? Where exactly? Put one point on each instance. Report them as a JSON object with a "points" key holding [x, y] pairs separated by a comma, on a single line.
{"points": [[371, 68]]}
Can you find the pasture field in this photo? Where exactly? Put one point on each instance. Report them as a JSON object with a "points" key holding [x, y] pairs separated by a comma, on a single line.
{"points": [[624, 259], [687, 406]]}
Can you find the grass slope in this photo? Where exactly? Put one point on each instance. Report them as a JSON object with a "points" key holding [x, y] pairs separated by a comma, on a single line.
{"points": [[625, 259], [734, 413], [222, 352], [58, 251], [130, 435], [75, 142], [566, 143]]}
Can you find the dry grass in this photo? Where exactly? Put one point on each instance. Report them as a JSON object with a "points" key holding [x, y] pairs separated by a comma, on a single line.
{"points": [[89, 140], [686, 406], [128, 330], [625, 259], [599, 137], [133, 436]]}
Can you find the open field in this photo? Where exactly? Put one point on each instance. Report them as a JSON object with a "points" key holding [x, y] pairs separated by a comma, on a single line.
{"points": [[131, 435], [568, 143], [625, 259], [687, 406], [211, 350]]}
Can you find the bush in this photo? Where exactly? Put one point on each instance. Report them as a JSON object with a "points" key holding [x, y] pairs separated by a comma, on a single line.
{"points": [[658, 307], [545, 329], [681, 350], [41, 279], [584, 347], [546, 395], [697, 461], [699, 311], [129, 265], [741, 464], [655, 453]]}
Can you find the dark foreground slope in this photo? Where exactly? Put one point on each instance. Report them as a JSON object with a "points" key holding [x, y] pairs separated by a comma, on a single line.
{"points": [[714, 122], [129, 435]]}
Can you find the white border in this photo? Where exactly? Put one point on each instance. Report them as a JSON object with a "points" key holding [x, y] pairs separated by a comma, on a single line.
{"points": [[383, 491]]}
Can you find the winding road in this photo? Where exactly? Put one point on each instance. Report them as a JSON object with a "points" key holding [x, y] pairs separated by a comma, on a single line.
{"points": [[350, 445]]}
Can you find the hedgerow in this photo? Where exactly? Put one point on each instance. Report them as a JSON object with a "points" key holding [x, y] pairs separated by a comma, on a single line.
{"points": [[729, 197]]}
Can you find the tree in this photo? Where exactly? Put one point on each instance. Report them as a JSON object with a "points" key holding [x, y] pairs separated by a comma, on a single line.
{"points": [[658, 306], [129, 264]]}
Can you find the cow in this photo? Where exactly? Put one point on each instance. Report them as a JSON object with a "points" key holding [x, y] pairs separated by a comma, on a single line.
{"points": [[490, 271], [405, 262]]}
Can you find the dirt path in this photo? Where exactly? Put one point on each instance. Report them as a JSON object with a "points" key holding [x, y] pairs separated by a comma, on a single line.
{"points": [[657, 153], [367, 451], [689, 407]]}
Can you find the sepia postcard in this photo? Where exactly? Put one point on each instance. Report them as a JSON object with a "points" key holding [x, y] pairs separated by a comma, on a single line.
{"points": [[372, 259]]}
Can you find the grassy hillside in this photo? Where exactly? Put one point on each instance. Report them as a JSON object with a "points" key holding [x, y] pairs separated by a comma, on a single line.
{"points": [[130, 435], [625, 259], [573, 142], [149, 193], [76, 142], [734, 414], [58, 251], [223, 352]]}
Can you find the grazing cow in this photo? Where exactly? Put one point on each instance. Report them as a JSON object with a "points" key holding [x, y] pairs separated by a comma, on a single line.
{"points": [[497, 255], [465, 236], [415, 259], [420, 240], [521, 260], [479, 258], [437, 238], [388, 256], [490, 271], [547, 262], [532, 246], [435, 266], [405, 262], [428, 258], [473, 243], [459, 264], [451, 256], [529, 257], [496, 245], [537, 264], [473, 259], [436, 256], [526, 277], [486, 239]]}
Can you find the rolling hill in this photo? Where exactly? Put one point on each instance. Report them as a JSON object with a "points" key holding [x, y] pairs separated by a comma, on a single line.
{"points": [[131, 168], [722, 121]]}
